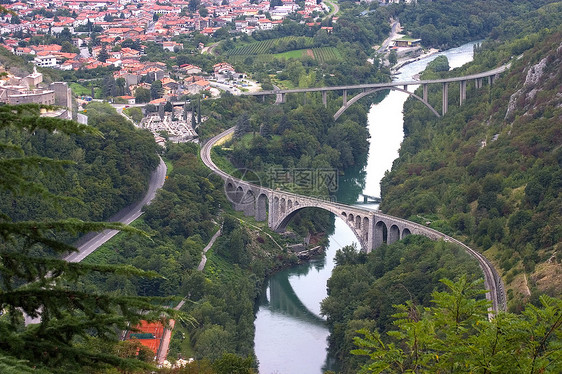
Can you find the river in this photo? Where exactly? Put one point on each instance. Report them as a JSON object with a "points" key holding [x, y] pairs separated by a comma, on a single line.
{"points": [[291, 336]]}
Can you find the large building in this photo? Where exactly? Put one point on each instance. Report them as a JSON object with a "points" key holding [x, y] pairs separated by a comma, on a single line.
{"points": [[29, 89]]}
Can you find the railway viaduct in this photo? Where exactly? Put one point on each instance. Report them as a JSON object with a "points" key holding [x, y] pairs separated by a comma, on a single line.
{"points": [[372, 228]]}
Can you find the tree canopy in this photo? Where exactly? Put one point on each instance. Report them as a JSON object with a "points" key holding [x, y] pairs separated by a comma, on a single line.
{"points": [[35, 282], [454, 335]]}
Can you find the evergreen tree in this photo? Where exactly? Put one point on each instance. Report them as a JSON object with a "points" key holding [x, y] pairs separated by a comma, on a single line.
{"points": [[199, 110], [109, 86], [121, 84], [168, 107], [72, 321], [193, 5], [156, 90], [242, 126], [193, 120], [103, 55]]}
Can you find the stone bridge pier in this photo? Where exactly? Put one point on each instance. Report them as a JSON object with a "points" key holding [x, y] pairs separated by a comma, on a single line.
{"points": [[247, 198]]}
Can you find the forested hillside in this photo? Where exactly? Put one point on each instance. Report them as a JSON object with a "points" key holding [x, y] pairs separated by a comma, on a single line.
{"points": [[445, 23], [489, 172], [106, 173], [78, 331], [186, 213]]}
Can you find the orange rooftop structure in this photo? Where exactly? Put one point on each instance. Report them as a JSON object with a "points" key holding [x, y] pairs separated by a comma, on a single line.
{"points": [[148, 334]]}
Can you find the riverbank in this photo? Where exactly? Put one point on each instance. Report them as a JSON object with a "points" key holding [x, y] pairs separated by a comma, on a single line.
{"points": [[404, 61]]}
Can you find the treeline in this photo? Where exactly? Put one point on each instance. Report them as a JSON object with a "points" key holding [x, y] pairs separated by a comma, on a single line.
{"points": [[364, 288], [445, 24], [305, 137], [106, 173], [489, 171]]}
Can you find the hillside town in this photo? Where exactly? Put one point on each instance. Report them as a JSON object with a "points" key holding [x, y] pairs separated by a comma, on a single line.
{"points": [[114, 34], [140, 21]]}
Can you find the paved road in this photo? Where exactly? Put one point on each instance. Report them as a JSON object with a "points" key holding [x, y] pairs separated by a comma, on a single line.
{"points": [[90, 242], [394, 28], [335, 8]]}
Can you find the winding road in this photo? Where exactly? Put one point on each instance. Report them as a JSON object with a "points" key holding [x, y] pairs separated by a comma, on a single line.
{"points": [[90, 242]]}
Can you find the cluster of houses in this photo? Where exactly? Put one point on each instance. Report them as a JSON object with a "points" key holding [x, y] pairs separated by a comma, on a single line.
{"points": [[140, 21], [190, 80], [149, 20]]}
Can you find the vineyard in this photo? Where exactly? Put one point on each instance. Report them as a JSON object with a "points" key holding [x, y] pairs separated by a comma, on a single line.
{"points": [[326, 54], [322, 55], [279, 45]]}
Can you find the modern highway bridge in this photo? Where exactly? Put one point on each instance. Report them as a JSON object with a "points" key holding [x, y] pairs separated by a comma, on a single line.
{"points": [[372, 228], [367, 89]]}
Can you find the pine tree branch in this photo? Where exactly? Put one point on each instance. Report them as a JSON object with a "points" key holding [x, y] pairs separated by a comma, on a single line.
{"points": [[35, 232]]}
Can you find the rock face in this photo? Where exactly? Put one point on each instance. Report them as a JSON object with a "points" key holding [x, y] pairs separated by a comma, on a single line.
{"points": [[524, 98]]}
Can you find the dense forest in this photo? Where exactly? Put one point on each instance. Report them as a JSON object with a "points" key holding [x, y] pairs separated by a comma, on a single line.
{"points": [[186, 213], [104, 174], [489, 171], [78, 330], [444, 23]]}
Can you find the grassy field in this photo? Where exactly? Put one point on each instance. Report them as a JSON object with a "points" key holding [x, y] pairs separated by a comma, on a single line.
{"points": [[222, 162], [80, 90]]}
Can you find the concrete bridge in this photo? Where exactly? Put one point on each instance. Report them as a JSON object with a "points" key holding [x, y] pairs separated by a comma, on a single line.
{"points": [[367, 89], [372, 228]]}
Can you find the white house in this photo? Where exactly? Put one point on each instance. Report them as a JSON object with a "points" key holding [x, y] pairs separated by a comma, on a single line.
{"points": [[48, 61]]}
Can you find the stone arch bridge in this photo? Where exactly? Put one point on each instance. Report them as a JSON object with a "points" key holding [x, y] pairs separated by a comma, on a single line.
{"points": [[372, 228], [367, 89]]}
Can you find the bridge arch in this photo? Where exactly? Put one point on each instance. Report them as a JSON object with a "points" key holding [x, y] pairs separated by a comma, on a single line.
{"points": [[393, 234], [358, 225], [261, 207], [380, 233], [366, 226], [406, 232], [368, 92]]}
